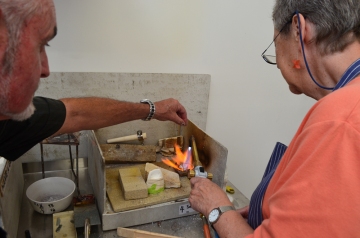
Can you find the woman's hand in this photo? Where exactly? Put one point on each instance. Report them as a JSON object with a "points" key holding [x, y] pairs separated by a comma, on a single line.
{"points": [[206, 195], [244, 212]]}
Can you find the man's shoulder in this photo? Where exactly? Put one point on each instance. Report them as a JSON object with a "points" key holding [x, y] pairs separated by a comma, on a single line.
{"points": [[48, 104], [42, 100]]}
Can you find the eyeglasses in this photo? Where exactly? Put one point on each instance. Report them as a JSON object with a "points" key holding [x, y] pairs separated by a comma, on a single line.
{"points": [[271, 59]]}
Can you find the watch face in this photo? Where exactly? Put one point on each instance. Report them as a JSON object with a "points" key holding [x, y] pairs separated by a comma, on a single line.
{"points": [[214, 215]]}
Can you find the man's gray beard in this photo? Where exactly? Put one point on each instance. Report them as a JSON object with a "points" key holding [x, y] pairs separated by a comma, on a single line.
{"points": [[5, 77], [27, 113], [4, 102]]}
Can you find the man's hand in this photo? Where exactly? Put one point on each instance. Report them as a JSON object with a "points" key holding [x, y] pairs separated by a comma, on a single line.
{"points": [[170, 110]]}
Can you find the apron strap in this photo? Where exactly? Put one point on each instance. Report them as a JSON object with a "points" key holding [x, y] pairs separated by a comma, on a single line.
{"points": [[255, 208]]}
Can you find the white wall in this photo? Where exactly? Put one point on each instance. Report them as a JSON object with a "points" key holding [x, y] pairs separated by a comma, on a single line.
{"points": [[250, 105]]}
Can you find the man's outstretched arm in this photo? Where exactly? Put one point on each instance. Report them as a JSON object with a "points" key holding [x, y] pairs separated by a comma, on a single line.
{"points": [[93, 113]]}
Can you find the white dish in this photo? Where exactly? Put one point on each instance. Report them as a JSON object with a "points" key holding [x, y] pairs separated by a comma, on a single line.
{"points": [[50, 195]]}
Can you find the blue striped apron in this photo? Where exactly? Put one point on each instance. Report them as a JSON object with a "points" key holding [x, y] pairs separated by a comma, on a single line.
{"points": [[255, 217]]}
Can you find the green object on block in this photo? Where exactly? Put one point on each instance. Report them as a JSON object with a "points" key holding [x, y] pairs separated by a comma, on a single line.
{"points": [[153, 190]]}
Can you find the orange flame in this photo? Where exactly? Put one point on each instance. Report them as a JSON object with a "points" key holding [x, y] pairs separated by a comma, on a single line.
{"points": [[182, 161]]}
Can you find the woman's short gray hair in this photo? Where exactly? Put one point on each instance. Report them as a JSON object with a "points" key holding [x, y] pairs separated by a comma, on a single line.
{"points": [[16, 13], [334, 20]]}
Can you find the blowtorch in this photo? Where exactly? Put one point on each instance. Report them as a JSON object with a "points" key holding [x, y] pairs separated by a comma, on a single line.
{"points": [[199, 171]]}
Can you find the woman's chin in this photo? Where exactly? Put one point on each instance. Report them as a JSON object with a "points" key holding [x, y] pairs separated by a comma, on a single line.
{"points": [[294, 90]]}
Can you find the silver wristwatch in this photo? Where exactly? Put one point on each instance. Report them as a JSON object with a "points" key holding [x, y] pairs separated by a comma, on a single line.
{"points": [[215, 213], [152, 109]]}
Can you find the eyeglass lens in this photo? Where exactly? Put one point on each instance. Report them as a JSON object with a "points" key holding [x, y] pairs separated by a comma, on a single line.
{"points": [[271, 59], [270, 56]]}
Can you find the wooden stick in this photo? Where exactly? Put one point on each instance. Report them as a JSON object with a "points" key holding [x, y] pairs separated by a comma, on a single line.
{"points": [[134, 233], [125, 138]]}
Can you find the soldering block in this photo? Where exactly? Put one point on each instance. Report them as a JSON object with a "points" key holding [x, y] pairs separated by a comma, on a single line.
{"points": [[132, 183]]}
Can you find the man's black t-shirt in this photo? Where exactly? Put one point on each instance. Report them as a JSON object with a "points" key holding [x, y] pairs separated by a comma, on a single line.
{"points": [[17, 137]]}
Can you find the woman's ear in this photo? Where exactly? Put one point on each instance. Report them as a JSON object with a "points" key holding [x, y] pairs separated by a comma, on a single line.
{"points": [[298, 23]]}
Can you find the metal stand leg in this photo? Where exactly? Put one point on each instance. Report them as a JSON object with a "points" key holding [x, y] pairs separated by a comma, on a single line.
{"points": [[65, 139], [77, 165], [77, 169]]}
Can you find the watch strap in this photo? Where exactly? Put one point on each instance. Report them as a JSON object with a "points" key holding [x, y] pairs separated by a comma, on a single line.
{"points": [[222, 210], [152, 109], [226, 208]]}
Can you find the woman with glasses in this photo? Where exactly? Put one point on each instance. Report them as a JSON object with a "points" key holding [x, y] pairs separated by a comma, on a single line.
{"points": [[312, 187]]}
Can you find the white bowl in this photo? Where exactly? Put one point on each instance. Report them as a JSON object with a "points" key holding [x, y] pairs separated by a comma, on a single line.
{"points": [[50, 195]]}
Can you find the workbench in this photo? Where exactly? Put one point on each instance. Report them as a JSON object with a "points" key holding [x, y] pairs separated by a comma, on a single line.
{"points": [[40, 225]]}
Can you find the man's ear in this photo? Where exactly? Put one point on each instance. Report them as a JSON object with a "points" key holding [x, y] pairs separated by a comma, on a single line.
{"points": [[2, 24], [2, 18], [3, 37]]}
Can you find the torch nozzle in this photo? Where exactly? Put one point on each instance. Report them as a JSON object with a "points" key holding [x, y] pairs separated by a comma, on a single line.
{"points": [[198, 170], [194, 151]]}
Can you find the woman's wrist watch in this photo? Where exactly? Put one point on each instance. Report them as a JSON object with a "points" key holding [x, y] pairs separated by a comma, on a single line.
{"points": [[215, 213], [152, 109]]}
